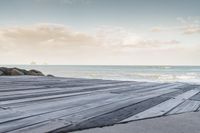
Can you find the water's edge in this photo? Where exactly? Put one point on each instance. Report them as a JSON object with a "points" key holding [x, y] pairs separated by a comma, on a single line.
{"points": [[190, 74]]}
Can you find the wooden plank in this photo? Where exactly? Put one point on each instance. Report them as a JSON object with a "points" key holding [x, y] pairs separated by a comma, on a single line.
{"points": [[142, 87], [43, 127], [150, 88], [30, 91], [100, 110], [187, 106], [12, 102], [43, 104], [23, 123], [47, 96], [196, 97], [45, 89], [24, 101], [26, 121], [37, 109], [164, 107], [155, 93], [7, 88], [134, 86], [114, 116], [64, 91], [45, 107], [85, 96], [58, 83]]}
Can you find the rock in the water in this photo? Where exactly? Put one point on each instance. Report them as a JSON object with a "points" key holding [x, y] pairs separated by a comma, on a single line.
{"points": [[1, 73], [35, 73], [5, 70], [16, 72], [49, 75], [24, 71]]}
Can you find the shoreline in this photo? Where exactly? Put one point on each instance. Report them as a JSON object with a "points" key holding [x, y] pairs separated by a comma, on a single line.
{"points": [[130, 73]]}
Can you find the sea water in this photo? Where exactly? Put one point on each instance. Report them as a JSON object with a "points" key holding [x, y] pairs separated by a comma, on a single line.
{"points": [[189, 74]]}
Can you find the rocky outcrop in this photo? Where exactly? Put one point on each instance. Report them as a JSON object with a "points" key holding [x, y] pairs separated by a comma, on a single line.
{"points": [[17, 72], [35, 73], [49, 75], [1, 73]]}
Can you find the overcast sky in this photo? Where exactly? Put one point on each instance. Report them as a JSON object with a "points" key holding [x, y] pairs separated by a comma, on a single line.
{"points": [[100, 32]]}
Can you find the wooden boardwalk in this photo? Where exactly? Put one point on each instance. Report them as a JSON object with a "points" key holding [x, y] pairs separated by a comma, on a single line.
{"points": [[52, 104]]}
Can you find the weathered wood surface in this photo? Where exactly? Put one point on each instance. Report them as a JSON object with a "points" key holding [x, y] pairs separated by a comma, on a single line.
{"points": [[54, 104], [164, 107], [187, 106]]}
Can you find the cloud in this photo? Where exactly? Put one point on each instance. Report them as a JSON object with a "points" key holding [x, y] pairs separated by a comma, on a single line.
{"points": [[43, 34], [56, 44], [187, 26], [159, 29], [152, 43], [54, 37], [119, 37], [190, 25], [61, 37], [191, 29], [59, 44]]}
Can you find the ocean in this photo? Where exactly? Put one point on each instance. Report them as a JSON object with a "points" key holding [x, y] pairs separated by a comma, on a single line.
{"points": [[190, 74]]}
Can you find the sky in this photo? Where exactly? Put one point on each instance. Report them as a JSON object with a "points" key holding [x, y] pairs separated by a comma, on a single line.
{"points": [[100, 32]]}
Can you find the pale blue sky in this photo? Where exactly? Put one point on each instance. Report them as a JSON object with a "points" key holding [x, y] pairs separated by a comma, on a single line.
{"points": [[88, 13], [128, 24]]}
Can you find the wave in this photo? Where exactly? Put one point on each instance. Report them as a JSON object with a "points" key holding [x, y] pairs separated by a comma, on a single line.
{"points": [[148, 77]]}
